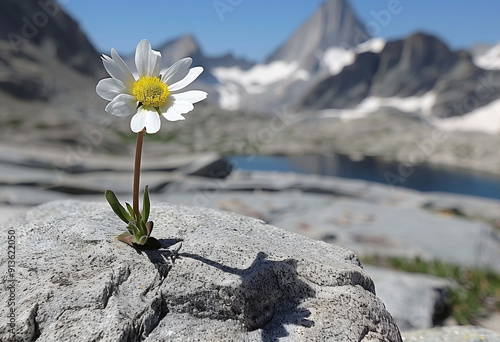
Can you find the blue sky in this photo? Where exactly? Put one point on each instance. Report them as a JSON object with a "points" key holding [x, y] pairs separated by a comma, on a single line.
{"points": [[254, 28]]}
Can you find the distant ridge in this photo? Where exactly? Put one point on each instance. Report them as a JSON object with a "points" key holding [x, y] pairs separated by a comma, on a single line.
{"points": [[187, 45], [414, 66]]}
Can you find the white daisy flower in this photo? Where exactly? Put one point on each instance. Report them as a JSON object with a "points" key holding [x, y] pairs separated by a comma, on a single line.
{"points": [[153, 93]]}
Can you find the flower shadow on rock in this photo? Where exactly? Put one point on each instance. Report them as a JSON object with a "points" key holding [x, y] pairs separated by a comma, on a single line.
{"points": [[269, 295], [159, 257]]}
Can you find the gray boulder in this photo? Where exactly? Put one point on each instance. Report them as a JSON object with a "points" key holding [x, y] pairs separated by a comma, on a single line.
{"points": [[462, 334], [414, 300], [234, 279]]}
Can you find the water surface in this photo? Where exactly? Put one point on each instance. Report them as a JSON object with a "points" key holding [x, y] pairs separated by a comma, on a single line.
{"points": [[422, 177]]}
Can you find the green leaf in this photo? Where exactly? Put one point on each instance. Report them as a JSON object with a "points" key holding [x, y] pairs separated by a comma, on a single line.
{"points": [[132, 228], [138, 224], [137, 235], [146, 205], [117, 207], [130, 209], [143, 227], [142, 240]]}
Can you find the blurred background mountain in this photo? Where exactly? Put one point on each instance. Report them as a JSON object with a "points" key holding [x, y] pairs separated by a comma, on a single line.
{"points": [[331, 66], [333, 99]]}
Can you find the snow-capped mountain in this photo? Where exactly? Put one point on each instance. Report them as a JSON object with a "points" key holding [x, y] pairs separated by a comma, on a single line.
{"points": [[334, 24], [420, 65], [328, 66], [330, 63], [322, 45]]}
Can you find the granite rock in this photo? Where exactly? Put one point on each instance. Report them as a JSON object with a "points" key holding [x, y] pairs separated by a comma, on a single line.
{"points": [[234, 278], [452, 334], [367, 218], [424, 294]]}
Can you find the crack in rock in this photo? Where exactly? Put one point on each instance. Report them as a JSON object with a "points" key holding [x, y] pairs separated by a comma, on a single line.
{"points": [[113, 284]]}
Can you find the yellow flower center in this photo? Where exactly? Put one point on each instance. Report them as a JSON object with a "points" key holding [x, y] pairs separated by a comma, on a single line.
{"points": [[150, 91]]}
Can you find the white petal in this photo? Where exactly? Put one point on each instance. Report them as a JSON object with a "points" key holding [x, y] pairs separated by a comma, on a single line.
{"points": [[153, 121], [138, 121], [182, 107], [109, 88], [191, 76], [172, 110], [129, 79], [146, 117], [157, 63], [118, 69], [177, 71], [171, 115], [192, 96], [142, 61], [122, 105], [147, 61]]}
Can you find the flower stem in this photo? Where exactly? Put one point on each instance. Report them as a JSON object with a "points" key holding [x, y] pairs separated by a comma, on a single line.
{"points": [[137, 171]]}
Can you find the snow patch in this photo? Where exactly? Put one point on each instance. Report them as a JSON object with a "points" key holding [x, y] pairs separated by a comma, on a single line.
{"points": [[485, 119], [490, 59], [412, 104], [336, 58], [229, 96], [375, 45], [258, 78]]}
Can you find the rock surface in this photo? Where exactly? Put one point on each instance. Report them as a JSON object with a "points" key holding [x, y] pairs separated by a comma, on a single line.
{"points": [[368, 218], [424, 294], [31, 177], [452, 334], [234, 278]]}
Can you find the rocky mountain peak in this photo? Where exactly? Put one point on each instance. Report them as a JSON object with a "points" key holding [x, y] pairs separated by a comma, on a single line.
{"points": [[421, 49], [333, 24], [412, 66]]}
